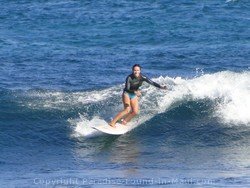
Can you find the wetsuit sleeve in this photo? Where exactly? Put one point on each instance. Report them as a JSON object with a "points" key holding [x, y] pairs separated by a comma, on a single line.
{"points": [[127, 85], [151, 82]]}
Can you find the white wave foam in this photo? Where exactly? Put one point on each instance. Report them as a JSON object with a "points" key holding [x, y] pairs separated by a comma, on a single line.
{"points": [[67, 100], [229, 91], [232, 90], [82, 127]]}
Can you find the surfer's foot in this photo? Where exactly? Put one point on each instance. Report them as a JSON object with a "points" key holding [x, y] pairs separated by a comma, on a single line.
{"points": [[123, 122], [112, 125]]}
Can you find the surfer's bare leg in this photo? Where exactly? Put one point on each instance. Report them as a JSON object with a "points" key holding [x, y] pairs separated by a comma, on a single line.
{"points": [[135, 110], [124, 112]]}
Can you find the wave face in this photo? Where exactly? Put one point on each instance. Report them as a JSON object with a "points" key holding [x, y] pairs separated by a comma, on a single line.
{"points": [[199, 124], [222, 98]]}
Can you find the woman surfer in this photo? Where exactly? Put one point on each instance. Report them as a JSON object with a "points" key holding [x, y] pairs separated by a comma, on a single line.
{"points": [[130, 95]]}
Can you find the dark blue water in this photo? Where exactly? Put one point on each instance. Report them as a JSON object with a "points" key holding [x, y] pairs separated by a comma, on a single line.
{"points": [[63, 66]]}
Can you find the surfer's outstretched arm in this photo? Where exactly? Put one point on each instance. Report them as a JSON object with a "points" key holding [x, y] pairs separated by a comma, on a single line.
{"points": [[153, 83]]}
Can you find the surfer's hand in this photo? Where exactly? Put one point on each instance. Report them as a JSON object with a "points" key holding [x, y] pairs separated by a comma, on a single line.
{"points": [[164, 87]]}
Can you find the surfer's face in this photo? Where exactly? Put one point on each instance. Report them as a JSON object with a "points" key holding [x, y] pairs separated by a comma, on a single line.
{"points": [[137, 71]]}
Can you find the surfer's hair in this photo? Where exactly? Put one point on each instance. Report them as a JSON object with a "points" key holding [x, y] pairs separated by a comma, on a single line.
{"points": [[136, 65]]}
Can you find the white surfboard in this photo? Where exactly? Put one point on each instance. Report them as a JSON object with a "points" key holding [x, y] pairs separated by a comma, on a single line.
{"points": [[119, 129]]}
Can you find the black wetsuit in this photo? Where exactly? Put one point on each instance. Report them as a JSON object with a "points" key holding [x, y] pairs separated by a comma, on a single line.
{"points": [[133, 83]]}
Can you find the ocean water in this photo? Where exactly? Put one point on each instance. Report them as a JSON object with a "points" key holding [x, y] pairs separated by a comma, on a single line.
{"points": [[63, 65]]}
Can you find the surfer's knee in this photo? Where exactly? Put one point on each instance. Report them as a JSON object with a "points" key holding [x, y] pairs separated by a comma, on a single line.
{"points": [[126, 105], [127, 109], [135, 112]]}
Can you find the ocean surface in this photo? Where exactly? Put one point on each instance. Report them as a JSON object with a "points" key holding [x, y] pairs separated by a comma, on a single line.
{"points": [[63, 64]]}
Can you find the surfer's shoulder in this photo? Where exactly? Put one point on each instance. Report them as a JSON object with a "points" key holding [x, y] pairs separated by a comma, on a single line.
{"points": [[143, 77]]}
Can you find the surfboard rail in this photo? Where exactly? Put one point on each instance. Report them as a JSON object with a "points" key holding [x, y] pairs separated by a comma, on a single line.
{"points": [[118, 130]]}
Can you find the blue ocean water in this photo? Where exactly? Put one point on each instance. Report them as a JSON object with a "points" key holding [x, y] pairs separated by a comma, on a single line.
{"points": [[63, 67]]}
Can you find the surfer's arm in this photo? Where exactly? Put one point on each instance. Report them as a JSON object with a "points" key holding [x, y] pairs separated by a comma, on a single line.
{"points": [[153, 83]]}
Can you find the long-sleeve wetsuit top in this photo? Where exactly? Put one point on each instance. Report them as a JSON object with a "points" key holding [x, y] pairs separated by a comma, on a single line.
{"points": [[133, 83]]}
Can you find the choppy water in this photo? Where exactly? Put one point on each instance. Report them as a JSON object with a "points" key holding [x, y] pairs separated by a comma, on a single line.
{"points": [[63, 66]]}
